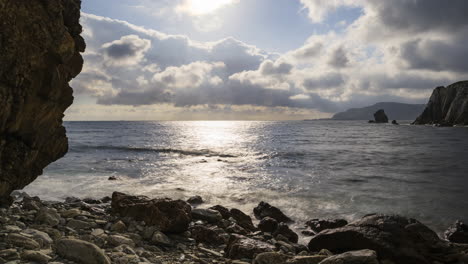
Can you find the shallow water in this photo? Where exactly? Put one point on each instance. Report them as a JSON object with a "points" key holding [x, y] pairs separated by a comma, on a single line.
{"points": [[310, 169]]}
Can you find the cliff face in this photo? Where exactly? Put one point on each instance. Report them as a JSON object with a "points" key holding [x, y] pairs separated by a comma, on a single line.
{"points": [[40, 47], [447, 106]]}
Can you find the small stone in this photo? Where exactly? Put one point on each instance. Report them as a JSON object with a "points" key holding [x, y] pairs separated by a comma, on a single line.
{"points": [[72, 213], [81, 251], [22, 241], [41, 237], [211, 216], [119, 226], [116, 240], [316, 259], [361, 256], [160, 239], [35, 256], [285, 231], [97, 232], [270, 258], [48, 216], [222, 210], [9, 254], [79, 225]]}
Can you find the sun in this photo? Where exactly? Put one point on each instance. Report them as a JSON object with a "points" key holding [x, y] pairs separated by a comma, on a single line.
{"points": [[203, 7]]}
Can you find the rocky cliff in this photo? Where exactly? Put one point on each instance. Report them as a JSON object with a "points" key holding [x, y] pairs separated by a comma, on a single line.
{"points": [[40, 47], [398, 111], [447, 106]]}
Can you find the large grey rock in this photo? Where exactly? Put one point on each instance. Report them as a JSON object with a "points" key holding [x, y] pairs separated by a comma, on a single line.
{"points": [[40, 47], [447, 106], [81, 251], [401, 240]]}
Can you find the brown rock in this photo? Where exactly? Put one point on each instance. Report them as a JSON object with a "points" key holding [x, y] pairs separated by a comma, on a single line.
{"points": [[285, 231], [240, 247], [318, 225], [401, 240], [167, 215], [242, 219], [222, 210], [265, 209], [40, 53], [203, 234]]}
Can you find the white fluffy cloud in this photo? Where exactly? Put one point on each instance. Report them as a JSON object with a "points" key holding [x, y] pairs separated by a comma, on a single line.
{"points": [[396, 51]]}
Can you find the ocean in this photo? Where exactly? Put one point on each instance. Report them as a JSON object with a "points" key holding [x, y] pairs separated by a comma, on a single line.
{"points": [[309, 169]]}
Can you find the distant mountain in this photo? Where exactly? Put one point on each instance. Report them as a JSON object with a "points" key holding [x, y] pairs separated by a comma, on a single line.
{"points": [[397, 111]]}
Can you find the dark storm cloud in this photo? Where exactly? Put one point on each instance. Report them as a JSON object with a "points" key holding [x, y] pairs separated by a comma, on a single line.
{"points": [[339, 58], [329, 80]]}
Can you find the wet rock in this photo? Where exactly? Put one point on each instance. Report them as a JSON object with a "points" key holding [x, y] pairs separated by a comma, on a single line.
{"points": [[394, 122], [271, 258], [222, 210], [401, 240], [265, 209], [160, 239], [35, 256], [318, 225], [195, 200], [116, 240], [72, 213], [211, 216], [242, 219], [32, 203], [81, 251], [39, 54], [78, 224], [168, 215], [48, 216], [97, 232], [9, 254], [315, 259], [240, 247], [42, 238], [119, 226], [380, 116], [236, 229], [354, 257], [457, 233], [22, 241], [285, 231], [268, 224], [203, 234]]}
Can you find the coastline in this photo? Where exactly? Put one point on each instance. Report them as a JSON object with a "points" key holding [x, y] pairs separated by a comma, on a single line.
{"points": [[136, 229]]}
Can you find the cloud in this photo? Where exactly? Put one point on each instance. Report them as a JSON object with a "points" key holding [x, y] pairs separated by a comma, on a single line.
{"points": [[128, 50]]}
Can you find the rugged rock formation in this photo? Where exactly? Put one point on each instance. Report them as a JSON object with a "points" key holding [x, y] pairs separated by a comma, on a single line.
{"points": [[380, 116], [447, 106], [398, 111], [264, 209], [457, 233], [40, 47], [395, 238]]}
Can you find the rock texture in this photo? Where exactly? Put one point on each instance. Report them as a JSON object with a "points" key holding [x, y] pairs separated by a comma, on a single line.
{"points": [[447, 106], [40, 47], [395, 238], [380, 116]]}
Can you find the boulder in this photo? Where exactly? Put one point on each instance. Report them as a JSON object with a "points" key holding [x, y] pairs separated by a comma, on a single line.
{"points": [[380, 116], [240, 247], [222, 210], [208, 215], [447, 106], [401, 240], [81, 251], [160, 239], [353, 257], [318, 225], [265, 209], [35, 256], [203, 234], [40, 55], [268, 224], [167, 215], [119, 226], [271, 258], [286, 232], [195, 200], [22, 241], [457, 233], [242, 219]]}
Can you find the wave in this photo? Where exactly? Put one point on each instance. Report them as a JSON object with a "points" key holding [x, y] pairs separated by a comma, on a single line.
{"points": [[202, 152]]}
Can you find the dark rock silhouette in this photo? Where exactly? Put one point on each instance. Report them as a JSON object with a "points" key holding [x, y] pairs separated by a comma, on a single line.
{"points": [[394, 122], [380, 116], [398, 111], [264, 209], [40, 47], [457, 233], [447, 106]]}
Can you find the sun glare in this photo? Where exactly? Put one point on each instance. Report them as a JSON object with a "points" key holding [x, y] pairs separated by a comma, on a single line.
{"points": [[203, 7]]}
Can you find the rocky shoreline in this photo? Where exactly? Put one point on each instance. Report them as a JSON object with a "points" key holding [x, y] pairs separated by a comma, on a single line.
{"points": [[136, 229]]}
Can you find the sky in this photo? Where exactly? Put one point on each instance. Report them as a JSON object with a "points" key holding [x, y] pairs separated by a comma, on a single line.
{"points": [[263, 59]]}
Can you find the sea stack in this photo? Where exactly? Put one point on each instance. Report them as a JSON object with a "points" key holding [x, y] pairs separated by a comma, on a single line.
{"points": [[40, 53], [379, 117], [448, 106]]}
